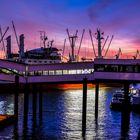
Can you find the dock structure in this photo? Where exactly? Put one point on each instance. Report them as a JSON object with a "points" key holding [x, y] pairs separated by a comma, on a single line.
{"points": [[98, 71]]}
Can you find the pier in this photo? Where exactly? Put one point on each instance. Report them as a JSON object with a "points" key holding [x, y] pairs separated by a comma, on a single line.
{"points": [[97, 72]]}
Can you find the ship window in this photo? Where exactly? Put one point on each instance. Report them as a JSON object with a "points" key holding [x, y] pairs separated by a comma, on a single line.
{"points": [[79, 71], [51, 72], [29, 61], [58, 72], [65, 71], [114, 68], [129, 69], [45, 72], [31, 73], [39, 72], [99, 67], [136, 68], [72, 71]]}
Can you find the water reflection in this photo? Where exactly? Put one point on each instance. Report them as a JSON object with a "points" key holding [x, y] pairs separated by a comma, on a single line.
{"points": [[6, 104], [62, 117]]}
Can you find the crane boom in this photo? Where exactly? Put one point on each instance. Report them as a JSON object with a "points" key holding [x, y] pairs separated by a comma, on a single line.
{"points": [[68, 36], [92, 42], [64, 47], [2, 40], [118, 55], [81, 42], [4, 34], [136, 55], [105, 43], [15, 33], [75, 36], [109, 45]]}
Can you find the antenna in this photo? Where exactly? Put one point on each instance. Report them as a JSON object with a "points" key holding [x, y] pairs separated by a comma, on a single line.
{"points": [[108, 46], [81, 41], [43, 37]]}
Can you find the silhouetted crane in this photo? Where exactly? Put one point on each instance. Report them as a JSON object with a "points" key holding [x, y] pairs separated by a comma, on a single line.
{"points": [[4, 34], [81, 42], [118, 54], [136, 55]]}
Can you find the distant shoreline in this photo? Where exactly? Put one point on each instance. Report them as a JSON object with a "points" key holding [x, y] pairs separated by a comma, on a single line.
{"points": [[10, 87]]}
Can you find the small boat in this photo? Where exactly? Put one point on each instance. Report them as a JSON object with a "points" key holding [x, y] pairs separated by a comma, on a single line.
{"points": [[117, 100], [135, 105]]}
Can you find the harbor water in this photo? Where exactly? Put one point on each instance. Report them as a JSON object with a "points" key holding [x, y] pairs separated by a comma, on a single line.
{"points": [[62, 117]]}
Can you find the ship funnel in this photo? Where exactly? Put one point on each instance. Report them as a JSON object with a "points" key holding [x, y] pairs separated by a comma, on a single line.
{"points": [[8, 46], [21, 46]]}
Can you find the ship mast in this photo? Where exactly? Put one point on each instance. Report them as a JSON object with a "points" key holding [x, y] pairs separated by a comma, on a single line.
{"points": [[99, 38], [43, 38], [72, 40]]}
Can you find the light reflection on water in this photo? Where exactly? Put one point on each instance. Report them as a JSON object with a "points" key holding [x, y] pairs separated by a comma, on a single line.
{"points": [[62, 117]]}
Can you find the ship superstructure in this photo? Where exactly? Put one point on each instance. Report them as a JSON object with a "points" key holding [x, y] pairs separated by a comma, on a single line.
{"points": [[42, 55]]}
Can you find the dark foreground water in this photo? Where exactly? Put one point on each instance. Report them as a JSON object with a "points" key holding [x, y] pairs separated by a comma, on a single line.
{"points": [[62, 117]]}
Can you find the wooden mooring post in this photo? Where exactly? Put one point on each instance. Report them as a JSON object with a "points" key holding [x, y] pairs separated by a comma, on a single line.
{"points": [[34, 93], [16, 97], [40, 102], [84, 111], [125, 115], [26, 102], [96, 100]]}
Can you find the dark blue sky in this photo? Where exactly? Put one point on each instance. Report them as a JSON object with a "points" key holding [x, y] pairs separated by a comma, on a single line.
{"points": [[118, 17]]}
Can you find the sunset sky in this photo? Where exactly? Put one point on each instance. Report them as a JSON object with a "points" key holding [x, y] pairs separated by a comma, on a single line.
{"points": [[120, 18]]}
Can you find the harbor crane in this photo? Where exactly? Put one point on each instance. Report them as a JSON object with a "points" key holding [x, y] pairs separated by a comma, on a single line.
{"points": [[4, 34], [1, 40], [3, 45], [20, 42], [136, 55], [63, 48], [108, 46], [119, 53], [80, 42]]}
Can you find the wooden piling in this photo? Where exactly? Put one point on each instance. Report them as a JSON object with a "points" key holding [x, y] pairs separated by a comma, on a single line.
{"points": [[84, 107], [16, 97], [34, 101], [96, 100], [125, 115], [40, 101], [26, 102]]}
